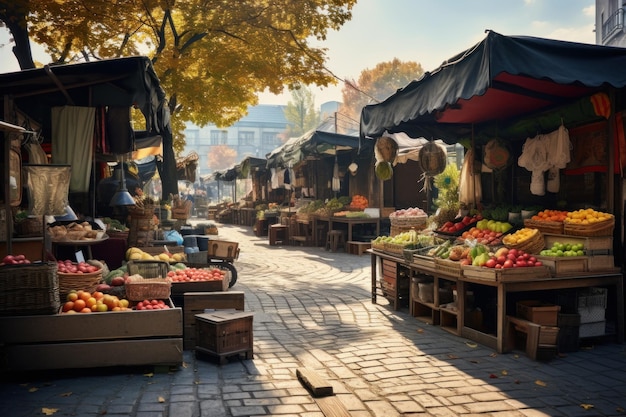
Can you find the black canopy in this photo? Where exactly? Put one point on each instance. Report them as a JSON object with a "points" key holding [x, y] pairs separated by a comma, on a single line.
{"points": [[501, 79], [122, 82]]}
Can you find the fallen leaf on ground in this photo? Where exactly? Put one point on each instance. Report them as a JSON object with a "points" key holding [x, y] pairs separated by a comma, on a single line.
{"points": [[493, 376], [33, 389], [504, 372], [66, 394], [587, 406], [49, 411], [470, 344], [451, 356], [161, 399], [541, 383], [149, 374], [493, 355], [420, 330]]}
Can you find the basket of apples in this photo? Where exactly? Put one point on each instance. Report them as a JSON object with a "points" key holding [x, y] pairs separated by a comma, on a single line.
{"points": [[77, 276]]}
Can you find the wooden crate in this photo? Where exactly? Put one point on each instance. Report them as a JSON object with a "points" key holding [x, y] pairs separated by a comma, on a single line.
{"points": [[589, 243], [544, 314], [180, 288], [65, 341], [564, 265], [197, 302], [480, 273], [224, 333], [601, 263]]}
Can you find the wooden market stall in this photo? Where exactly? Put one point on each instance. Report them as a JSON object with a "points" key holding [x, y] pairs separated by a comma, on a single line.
{"points": [[81, 116], [495, 98]]}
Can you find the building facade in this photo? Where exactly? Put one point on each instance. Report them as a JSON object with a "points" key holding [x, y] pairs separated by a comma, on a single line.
{"points": [[610, 23], [256, 134]]}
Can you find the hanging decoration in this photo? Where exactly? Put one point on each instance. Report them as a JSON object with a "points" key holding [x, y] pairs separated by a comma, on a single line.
{"points": [[352, 168], [496, 156], [385, 152], [432, 159], [336, 183]]}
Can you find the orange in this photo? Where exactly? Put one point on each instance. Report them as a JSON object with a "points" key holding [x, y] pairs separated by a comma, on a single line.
{"points": [[90, 302], [84, 295], [79, 304], [69, 305], [85, 310], [97, 295], [72, 296]]}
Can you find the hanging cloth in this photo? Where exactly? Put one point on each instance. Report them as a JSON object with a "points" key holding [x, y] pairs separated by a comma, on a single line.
{"points": [[558, 145], [120, 137], [534, 158], [470, 188], [72, 142]]}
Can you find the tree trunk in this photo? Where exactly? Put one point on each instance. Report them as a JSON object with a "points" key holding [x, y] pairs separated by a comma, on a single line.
{"points": [[16, 23]]}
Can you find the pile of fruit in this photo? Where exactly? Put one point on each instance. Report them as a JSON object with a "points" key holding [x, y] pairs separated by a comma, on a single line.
{"points": [[564, 249], [521, 236], [137, 254], [15, 260], [195, 275], [456, 227], [359, 202], [586, 216], [550, 216], [409, 212], [69, 267], [509, 258], [86, 302]]}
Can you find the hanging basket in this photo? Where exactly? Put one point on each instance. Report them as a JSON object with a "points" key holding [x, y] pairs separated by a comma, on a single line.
{"points": [[496, 155], [432, 159], [385, 149]]}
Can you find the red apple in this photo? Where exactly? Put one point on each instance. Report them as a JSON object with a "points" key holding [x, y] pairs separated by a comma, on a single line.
{"points": [[491, 263], [507, 264]]}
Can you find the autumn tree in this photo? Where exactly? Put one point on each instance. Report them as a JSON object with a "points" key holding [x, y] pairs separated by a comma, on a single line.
{"points": [[300, 111], [212, 57], [375, 85], [221, 157]]}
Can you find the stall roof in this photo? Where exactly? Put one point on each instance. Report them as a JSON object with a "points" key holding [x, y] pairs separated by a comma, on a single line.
{"points": [[314, 143], [499, 79], [129, 81]]}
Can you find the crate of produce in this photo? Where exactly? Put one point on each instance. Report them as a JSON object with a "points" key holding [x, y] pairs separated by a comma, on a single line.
{"points": [[139, 288], [536, 311], [564, 265], [480, 273], [417, 222], [29, 289], [590, 243], [448, 267], [224, 333]]}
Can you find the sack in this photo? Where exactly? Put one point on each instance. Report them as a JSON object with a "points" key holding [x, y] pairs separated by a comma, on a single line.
{"points": [[174, 236]]}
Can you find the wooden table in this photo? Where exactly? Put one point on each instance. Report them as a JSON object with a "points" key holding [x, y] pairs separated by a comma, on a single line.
{"points": [[351, 222], [497, 341]]}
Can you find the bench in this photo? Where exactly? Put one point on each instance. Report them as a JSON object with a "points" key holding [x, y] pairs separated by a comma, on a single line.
{"points": [[357, 248]]}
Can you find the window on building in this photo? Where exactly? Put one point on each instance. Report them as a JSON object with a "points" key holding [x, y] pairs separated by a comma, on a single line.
{"points": [[246, 138], [224, 137], [219, 137], [192, 134], [269, 138]]}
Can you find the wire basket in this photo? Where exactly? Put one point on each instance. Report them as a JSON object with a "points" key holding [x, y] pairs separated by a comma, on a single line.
{"points": [[73, 282], [29, 289]]}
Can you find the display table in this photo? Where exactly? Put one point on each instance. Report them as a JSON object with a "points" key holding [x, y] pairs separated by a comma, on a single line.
{"points": [[458, 322], [351, 222]]}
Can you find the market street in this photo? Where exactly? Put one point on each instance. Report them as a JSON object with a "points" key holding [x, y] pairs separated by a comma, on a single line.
{"points": [[312, 309]]}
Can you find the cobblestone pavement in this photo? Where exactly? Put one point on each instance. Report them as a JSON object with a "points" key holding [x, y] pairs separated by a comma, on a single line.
{"points": [[313, 309]]}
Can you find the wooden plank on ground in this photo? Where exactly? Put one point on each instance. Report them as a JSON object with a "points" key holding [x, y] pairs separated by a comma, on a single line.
{"points": [[317, 385], [332, 407]]}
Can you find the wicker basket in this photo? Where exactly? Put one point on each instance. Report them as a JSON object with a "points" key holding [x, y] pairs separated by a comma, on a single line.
{"points": [[395, 249], [85, 281], [144, 212], [29, 289], [379, 246], [417, 222], [545, 226], [148, 269], [604, 228], [30, 227], [448, 267], [533, 245], [139, 289]]}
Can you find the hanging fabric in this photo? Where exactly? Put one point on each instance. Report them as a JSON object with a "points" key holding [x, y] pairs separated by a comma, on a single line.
{"points": [[72, 142], [119, 132], [336, 183], [470, 188]]}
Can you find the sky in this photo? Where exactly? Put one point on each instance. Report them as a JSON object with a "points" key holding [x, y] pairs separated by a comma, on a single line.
{"points": [[424, 31]]}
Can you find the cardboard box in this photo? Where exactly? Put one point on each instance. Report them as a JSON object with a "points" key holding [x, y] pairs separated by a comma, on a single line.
{"points": [[544, 314]]}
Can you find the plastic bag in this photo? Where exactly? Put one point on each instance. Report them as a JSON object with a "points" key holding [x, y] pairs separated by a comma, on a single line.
{"points": [[174, 236]]}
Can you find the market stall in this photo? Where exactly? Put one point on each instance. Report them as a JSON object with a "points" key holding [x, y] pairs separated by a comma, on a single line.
{"points": [[518, 105]]}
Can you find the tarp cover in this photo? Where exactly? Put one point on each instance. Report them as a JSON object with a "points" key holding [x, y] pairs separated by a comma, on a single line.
{"points": [[500, 79], [314, 143]]}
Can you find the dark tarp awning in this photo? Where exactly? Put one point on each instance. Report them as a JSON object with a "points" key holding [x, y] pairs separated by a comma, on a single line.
{"points": [[120, 82], [497, 81], [314, 143], [250, 164]]}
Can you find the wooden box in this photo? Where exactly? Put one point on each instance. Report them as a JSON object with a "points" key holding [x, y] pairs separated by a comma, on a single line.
{"points": [[548, 335], [600, 243], [601, 263], [180, 288], [64, 341], [538, 312], [480, 273], [197, 302], [224, 333], [564, 265]]}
